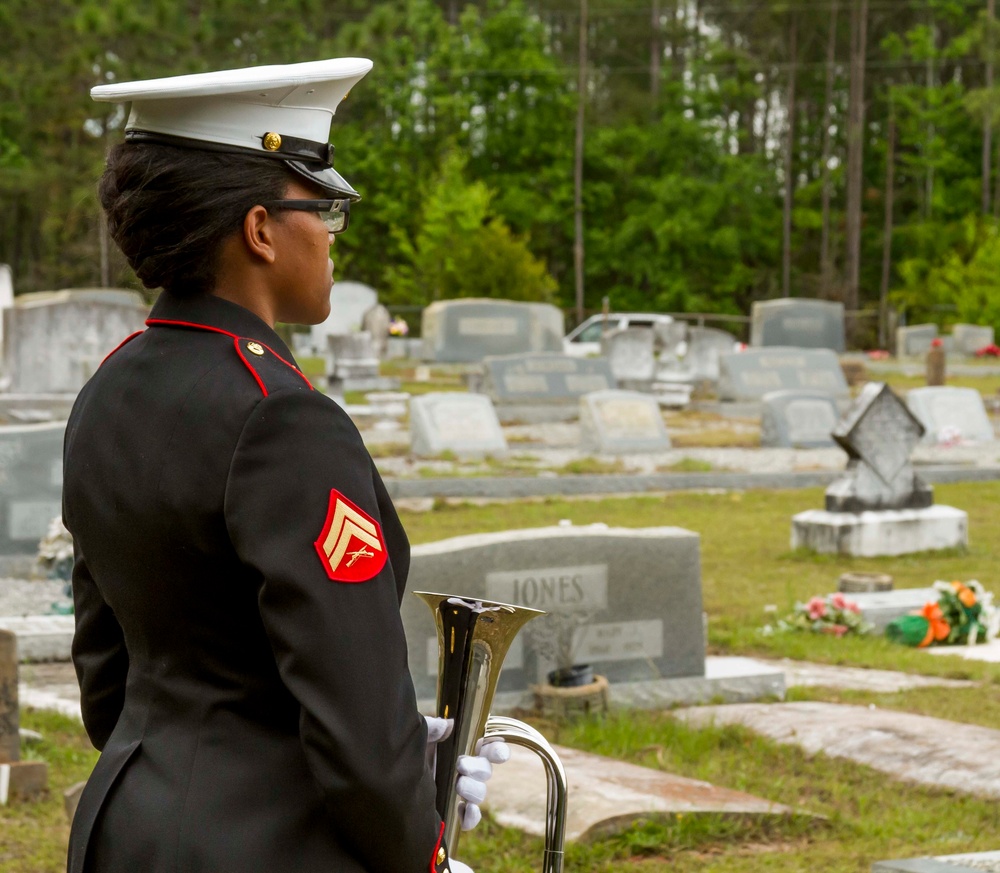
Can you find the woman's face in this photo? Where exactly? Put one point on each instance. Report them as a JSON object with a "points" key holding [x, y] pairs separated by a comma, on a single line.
{"points": [[305, 269]]}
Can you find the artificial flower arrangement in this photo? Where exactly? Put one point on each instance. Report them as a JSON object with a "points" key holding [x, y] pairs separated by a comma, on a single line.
{"points": [[990, 351], [398, 327], [833, 614], [962, 615]]}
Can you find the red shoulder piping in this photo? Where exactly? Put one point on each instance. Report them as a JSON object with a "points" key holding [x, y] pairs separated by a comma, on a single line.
{"points": [[437, 846], [236, 343], [127, 339]]}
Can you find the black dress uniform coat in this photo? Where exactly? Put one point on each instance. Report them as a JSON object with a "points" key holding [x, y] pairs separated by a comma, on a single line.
{"points": [[239, 568]]}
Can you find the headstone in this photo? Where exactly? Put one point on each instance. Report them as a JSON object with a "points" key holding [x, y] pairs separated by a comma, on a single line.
{"points": [[349, 301], [352, 364], [542, 387], [469, 330], [798, 323], [970, 338], [630, 354], [915, 340], [628, 600], [878, 433], [951, 413], [30, 484], [751, 374], [616, 422], [881, 607], [704, 347], [451, 421], [880, 506], [55, 341], [6, 295], [376, 323], [798, 419]]}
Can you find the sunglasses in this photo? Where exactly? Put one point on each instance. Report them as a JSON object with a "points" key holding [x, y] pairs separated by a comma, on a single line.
{"points": [[336, 214]]}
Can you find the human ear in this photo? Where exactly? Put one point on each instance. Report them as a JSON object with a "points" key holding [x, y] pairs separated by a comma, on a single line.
{"points": [[258, 234]]}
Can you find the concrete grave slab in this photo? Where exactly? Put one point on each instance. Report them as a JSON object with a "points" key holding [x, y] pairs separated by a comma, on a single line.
{"points": [[946, 411], [917, 748], [871, 534], [618, 422], [810, 675], [751, 374], [608, 796], [471, 329], [465, 424], [627, 601], [798, 419], [881, 607], [798, 322], [976, 862]]}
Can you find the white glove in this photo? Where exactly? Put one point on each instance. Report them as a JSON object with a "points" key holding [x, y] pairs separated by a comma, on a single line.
{"points": [[474, 771], [437, 729], [459, 867]]}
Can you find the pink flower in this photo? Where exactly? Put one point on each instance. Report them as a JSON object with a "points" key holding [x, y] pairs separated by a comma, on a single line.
{"points": [[816, 608], [851, 606], [838, 601], [838, 630]]}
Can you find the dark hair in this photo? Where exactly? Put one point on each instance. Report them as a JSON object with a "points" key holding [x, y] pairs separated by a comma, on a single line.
{"points": [[170, 208]]}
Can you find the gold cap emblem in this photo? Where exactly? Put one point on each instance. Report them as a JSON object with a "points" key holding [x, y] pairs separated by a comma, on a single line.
{"points": [[256, 348], [272, 141]]}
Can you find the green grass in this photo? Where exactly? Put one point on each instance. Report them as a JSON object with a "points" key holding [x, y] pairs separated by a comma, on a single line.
{"points": [[686, 465], [985, 385]]}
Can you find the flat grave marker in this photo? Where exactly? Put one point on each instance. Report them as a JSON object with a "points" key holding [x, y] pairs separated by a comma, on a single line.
{"points": [[449, 421], [617, 422], [945, 411], [798, 419]]}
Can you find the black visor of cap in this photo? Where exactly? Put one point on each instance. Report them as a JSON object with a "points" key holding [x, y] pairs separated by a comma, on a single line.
{"points": [[327, 178]]}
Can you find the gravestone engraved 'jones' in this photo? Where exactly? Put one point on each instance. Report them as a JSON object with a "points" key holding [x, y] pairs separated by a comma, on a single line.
{"points": [[637, 593], [948, 413], [798, 322], [751, 374], [616, 422], [449, 421], [469, 330]]}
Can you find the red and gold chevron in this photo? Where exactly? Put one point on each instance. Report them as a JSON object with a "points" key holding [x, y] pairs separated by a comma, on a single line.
{"points": [[350, 546]]}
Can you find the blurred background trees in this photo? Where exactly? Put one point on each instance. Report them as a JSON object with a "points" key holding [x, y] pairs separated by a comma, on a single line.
{"points": [[734, 149]]}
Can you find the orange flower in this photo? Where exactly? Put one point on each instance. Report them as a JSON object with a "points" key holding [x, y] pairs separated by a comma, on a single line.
{"points": [[966, 596], [938, 628]]}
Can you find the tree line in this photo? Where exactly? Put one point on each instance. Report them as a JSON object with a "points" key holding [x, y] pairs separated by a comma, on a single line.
{"points": [[692, 155]]}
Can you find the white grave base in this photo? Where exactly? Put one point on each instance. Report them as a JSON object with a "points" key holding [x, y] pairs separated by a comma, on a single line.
{"points": [[886, 532]]}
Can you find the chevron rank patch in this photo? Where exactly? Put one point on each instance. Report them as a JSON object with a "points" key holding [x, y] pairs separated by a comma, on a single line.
{"points": [[351, 545]]}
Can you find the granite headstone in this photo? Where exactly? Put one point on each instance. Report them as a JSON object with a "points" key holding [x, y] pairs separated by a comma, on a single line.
{"points": [[798, 419], [704, 347], [915, 339], [55, 341], [751, 374], [376, 322], [970, 338], [951, 413], [617, 422], [470, 330], [451, 421], [636, 593], [799, 323], [30, 484]]}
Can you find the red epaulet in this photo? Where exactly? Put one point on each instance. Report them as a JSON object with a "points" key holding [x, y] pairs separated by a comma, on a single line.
{"points": [[122, 344]]}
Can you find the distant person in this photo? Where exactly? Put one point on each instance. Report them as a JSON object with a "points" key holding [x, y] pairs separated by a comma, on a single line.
{"points": [[239, 565]]}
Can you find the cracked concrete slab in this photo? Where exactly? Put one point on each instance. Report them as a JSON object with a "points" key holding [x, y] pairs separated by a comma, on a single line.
{"points": [[919, 748]]}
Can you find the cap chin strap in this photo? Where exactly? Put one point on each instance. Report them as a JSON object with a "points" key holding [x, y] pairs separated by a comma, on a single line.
{"points": [[289, 148]]}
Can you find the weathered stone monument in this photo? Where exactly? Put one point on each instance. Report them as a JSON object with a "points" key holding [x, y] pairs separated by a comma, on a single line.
{"points": [[970, 338], [470, 330], [19, 780], [352, 364], [880, 506], [618, 422], [450, 421], [631, 355], [542, 387], [30, 484], [376, 323], [798, 419], [55, 341], [951, 413], [915, 339], [636, 593], [349, 301], [751, 374], [799, 323], [705, 345]]}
